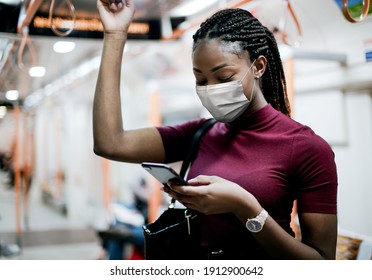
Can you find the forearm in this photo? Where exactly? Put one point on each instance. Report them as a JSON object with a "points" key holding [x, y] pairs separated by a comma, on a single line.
{"points": [[281, 245], [273, 238], [107, 116], [215, 195]]}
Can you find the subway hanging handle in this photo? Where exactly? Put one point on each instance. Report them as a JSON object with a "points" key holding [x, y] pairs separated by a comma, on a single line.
{"points": [[349, 17], [26, 42], [55, 26]]}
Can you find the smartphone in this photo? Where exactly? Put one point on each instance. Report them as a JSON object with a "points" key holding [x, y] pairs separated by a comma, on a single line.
{"points": [[163, 173]]}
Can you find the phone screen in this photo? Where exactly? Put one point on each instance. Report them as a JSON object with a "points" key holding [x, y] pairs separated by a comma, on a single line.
{"points": [[163, 173]]}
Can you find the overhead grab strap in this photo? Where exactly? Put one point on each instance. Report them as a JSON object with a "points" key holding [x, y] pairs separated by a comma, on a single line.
{"points": [[54, 26], [26, 41], [26, 15], [349, 17]]}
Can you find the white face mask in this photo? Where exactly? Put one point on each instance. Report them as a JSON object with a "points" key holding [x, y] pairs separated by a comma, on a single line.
{"points": [[225, 101]]}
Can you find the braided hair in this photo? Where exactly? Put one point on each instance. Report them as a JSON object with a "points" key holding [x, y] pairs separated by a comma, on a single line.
{"points": [[238, 25]]}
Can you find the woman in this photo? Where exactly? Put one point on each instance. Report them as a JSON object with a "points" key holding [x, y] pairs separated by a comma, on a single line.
{"points": [[252, 164]]}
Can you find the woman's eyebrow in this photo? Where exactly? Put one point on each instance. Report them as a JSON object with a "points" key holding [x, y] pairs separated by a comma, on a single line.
{"points": [[214, 69]]}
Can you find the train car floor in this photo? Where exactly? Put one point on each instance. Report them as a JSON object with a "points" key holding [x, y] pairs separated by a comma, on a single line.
{"points": [[45, 235]]}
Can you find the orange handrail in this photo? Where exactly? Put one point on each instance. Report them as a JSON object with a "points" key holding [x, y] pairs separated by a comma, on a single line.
{"points": [[26, 168], [154, 201], [59, 172], [349, 17], [17, 173], [284, 37], [240, 3], [106, 187], [45, 186], [289, 74]]}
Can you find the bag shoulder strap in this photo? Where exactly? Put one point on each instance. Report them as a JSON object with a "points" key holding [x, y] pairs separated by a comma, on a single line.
{"points": [[193, 149]]}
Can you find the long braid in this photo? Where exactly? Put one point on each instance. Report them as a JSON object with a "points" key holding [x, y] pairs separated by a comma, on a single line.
{"points": [[238, 25]]}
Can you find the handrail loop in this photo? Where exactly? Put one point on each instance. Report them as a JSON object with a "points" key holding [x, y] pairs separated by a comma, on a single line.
{"points": [[54, 27], [349, 17], [26, 40]]}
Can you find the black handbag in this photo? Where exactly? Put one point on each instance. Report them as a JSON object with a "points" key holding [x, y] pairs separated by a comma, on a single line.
{"points": [[175, 235]]}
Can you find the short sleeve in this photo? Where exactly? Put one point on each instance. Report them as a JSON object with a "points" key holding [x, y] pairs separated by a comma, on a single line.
{"points": [[177, 138], [315, 174]]}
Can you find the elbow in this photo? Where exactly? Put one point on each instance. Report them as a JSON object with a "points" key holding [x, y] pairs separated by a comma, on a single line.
{"points": [[97, 151], [102, 146], [102, 151]]}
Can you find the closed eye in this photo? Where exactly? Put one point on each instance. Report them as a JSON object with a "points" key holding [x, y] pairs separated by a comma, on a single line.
{"points": [[225, 80]]}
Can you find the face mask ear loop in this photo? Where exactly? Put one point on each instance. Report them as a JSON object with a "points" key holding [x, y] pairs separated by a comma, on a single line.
{"points": [[250, 67], [254, 81]]}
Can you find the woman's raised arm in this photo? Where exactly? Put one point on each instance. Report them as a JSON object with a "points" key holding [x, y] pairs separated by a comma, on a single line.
{"points": [[111, 140]]}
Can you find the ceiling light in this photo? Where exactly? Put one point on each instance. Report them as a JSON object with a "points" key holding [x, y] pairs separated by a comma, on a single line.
{"points": [[63, 47], [11, 2], [12, 95], [37, 71]]}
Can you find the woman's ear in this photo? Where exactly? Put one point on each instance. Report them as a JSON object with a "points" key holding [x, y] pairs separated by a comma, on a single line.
{"points": [[259, 67]]}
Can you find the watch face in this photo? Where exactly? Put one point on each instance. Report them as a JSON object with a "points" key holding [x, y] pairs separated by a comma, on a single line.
{"points": [[254, 225]]}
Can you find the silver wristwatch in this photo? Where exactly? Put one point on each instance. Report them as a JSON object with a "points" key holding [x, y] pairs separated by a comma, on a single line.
{"points": [[256, 224]]}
